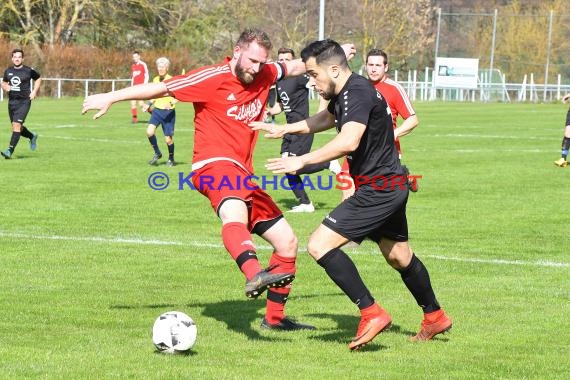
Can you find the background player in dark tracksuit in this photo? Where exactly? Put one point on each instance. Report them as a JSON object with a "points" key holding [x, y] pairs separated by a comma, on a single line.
{"points": [[16, 82], [293, 99], [562, 161], [377, 210]]}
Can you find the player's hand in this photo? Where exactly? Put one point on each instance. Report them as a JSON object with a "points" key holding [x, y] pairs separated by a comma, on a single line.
{"points": [[96, 102], [273, 131], [565, 98], [349, 51], [285, 164]]}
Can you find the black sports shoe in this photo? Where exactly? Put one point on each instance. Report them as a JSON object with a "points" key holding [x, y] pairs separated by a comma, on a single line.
{"points": [[7, 154], [286, 324], [264, 279], [170, 163], [155, 158]]}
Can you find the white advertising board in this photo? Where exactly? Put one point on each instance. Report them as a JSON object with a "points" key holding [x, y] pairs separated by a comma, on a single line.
{"points": [[456, 72]]}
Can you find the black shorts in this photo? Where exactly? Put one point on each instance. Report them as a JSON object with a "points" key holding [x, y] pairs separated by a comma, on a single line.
{"points": [[18, 109], [372, 214], [297, 145], [568, 118]]}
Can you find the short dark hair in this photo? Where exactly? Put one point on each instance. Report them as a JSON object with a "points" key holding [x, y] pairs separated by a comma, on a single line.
{"points": [[253, 34], [377, 52], [17, 50], [325, 51], [285, 50]]}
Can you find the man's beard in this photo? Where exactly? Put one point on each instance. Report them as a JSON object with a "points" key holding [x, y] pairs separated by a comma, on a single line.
{"points": [[328, 92], [243, 76]]}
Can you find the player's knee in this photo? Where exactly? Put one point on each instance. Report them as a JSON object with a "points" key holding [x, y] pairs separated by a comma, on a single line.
{"points": [[288, 245], [397, 255], [315, 248], [293, 243]]}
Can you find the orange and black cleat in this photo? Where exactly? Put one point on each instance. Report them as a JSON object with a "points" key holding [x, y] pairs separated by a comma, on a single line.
{"points": [[369, 327], [433, 324]]}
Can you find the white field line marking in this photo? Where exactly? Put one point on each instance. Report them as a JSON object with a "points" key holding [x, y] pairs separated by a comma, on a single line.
{"points": [[474, 135], [106, 141], [539, 263], [87, 127]]}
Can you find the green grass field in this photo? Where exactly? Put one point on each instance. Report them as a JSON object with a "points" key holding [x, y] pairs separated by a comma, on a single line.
{"points": [[90, 255]]}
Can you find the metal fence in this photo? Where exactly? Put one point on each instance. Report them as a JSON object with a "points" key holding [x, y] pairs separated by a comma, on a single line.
{"points": [[516, 42], [60, 87], [419, 86]]}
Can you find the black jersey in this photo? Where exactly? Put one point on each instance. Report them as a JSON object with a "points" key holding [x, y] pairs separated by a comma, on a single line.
{"points": [[20, 81], [376, 154], [293, 94]]}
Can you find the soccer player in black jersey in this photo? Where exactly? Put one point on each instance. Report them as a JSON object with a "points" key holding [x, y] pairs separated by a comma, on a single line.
{"points": [[377, 210], [562, 162], [293, 99], [16, 82]]}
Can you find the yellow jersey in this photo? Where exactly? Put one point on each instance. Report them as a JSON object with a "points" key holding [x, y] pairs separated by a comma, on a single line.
{"points": [[162, 103]]}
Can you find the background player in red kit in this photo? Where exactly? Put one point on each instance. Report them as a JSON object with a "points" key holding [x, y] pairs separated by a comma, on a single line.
{"points": [[395, 95], [226, 98], [397, 99], [139, 75]]}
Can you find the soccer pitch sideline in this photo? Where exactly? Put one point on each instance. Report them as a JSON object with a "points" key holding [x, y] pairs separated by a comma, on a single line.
{"points": [[91, 255]]}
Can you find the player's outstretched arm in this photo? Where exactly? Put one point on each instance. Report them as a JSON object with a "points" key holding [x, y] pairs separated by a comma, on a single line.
{"points": [[277, 131], [566, 98], [102, 102], [314, 124], [345, 142]]}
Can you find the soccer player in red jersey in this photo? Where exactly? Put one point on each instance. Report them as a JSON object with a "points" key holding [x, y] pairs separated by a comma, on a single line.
{"points": [[226, 98], [400, 105], [139, 75], [396, 97]]}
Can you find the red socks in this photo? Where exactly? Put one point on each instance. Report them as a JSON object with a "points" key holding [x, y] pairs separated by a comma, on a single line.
{"points": [[237, 240], [277, 297]]}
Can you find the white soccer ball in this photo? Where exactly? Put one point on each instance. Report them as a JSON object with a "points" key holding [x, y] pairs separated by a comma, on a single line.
{"points": [[174, 332]]}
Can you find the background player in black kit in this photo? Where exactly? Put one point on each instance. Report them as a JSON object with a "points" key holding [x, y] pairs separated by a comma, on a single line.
{"points": [[293, 99], [17, 83], [366, 136]]}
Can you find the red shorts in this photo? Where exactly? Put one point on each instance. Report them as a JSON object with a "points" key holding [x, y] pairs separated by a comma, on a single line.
{"points": [[223, 180]]}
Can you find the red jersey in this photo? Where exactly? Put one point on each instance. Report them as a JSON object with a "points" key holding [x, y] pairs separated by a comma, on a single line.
{"points": [[223, 108], [397, 100], [139, 73]]}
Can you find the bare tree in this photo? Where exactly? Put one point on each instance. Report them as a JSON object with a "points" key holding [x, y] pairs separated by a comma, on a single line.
{"points": [[403, 28]]}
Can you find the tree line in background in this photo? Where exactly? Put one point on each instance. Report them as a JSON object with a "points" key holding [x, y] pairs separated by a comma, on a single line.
{"points": [[95, 38]]}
